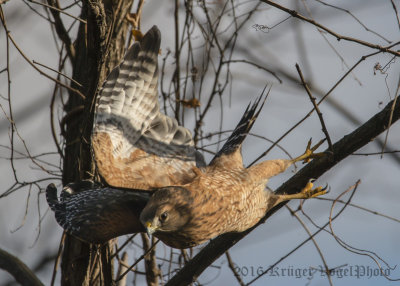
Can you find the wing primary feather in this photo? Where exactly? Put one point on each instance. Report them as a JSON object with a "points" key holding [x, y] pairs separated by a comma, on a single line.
{"points": [[123, 90], [241, 130], [134, 144]]}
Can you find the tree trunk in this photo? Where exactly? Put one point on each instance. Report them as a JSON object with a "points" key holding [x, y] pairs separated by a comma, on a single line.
{"points": [[100, 45]]}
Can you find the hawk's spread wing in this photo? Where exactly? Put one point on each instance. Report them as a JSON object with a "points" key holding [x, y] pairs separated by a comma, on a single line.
{"points": [[135, 145]]}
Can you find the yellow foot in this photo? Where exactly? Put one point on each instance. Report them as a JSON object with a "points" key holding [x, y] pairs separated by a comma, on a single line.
{"points": [[306, 193], [309, 153], [137, 35]]}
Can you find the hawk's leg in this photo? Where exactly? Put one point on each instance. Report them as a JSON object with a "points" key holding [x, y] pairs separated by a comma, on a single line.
{"points": [[270, 168], [309, 153], [306, 193]]}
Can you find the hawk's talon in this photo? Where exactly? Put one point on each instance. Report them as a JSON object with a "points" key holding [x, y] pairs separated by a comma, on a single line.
{"points": [[309, 192], [313, 193], [309, 153], [306, 193]]}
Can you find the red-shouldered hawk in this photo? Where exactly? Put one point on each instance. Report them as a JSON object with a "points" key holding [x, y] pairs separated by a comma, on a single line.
{"points": [[141, 152]]}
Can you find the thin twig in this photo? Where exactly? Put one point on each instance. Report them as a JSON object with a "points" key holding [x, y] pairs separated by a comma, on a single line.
{"points": [[363, 58], [232, 267], [361, 208], [396, 13], [56, 263], [61, 31], [152, 271], [339, 37], [327, 270], [137, 261], [335, 50], [302, 243], [58, 10], [255, 65], [355, 18], [352, 249], [313, 101], [130, 238], [56, 71], [122, 266], [39, 70], [390, 119], [177, 73], [376, 153], [10, 110], [52, 126]]}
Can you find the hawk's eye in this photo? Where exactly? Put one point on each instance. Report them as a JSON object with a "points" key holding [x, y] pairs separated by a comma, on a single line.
{"points": [[163, 216]]}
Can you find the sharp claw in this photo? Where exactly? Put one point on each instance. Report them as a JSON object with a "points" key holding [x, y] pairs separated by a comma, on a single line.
{"points": [[319, 191], [317, 145], [309, 192], [309, 144], [309, 153]]}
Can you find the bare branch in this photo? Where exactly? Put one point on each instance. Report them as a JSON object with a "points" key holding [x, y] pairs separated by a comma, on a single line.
{"points": [[120, 277], [327, 272], [152, 271], [18, 269], [355, 18], [353, 249], [122, 268], [314, 103], [232, 267], [339, 37], [396, 12]]}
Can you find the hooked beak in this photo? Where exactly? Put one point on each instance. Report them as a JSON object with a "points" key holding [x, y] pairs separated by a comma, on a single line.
{"points": [[150, 229]]}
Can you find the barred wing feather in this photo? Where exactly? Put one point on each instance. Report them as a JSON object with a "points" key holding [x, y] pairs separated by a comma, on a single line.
{"points": [[135, 145]]}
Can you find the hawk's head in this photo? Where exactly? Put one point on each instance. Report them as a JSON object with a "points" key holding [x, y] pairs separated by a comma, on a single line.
{"points": [[168, 210]]}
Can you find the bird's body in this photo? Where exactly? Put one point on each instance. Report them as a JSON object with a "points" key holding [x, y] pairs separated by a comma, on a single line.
{"points": [[220, 199], [137, 147], [233, 204]]}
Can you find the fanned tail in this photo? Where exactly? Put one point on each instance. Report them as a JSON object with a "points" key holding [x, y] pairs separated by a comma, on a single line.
{"points": [[250, 115]]}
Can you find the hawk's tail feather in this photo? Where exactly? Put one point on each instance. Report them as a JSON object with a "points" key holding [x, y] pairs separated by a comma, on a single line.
{"points": [[250, 115]]}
